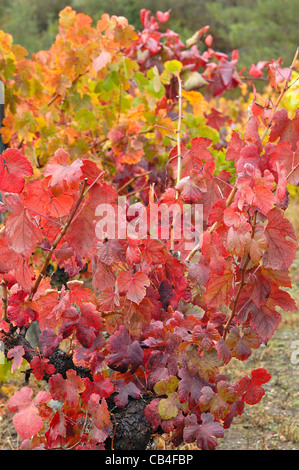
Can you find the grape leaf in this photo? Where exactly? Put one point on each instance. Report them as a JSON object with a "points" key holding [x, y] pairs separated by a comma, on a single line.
{"points": [[27, 420], [68, 389], [14, 167], [205, 433], [133, 286], [190, 387], [125, 353], [99, 412], [21, 312], [40, 367], [17, 354], [124, 391], [284, 128], [219, 288], [281, 250], [168, 407], [241, 345], [63, 176], [250, 388], [81, 233], [22, 232], [100, 385], [218, 402], [50, 341]]}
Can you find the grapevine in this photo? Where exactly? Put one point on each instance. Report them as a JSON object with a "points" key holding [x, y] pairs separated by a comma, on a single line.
{"points": [[111, 121]]}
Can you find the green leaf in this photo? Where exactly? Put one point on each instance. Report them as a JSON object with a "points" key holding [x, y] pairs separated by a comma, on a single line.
{"points": [[166, 386], [168, 406], [86, 120]]}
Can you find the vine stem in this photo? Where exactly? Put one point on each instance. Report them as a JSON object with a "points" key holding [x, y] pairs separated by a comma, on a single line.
{"points": [[146, 173], [242, 283], [179, 156], [234, 190], [4, 299], [214, 226], [57, 240], [178, 132]]}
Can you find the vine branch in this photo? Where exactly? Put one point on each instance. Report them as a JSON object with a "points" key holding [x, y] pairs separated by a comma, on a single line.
{"points": [[57, 240], [282, 93], [179, 156], [242, 283], [214, 226], [4, 299]]}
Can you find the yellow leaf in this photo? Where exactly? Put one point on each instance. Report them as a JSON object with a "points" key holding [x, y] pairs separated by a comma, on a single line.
{"points": [[197, 101]]}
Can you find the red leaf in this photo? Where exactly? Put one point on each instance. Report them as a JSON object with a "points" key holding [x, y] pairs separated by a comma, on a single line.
{"points": [[265, 321], [50, 341], [191, 187], [214, 252], [21, 312], [17, 354], [41, 367], [200, 271], [219, 288], [216, 119], [87, 324], [91, 358], [209, 40], [46, 304], [110, 252], [263, 199], [68, 389], [241, 345], [99, 413], [287, 130], [152, 414], [101, 61], [190, 387], [234, 147], [281, 251], [124, 391], [21, 231], [255, 71], [205, 337], [153, 251], [288, 158], [108, 300], [198, 153], [250, 389], [63, 176], [205, 434], [8, 257], [100, 385], [125, 353], [81, 233], [14, 167], [103, 277], [162, 17], [224, 353], [27, 421], [134, 286]]}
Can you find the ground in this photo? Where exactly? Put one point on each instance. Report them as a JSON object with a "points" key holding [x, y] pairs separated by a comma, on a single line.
{"points": [[272, 424]]}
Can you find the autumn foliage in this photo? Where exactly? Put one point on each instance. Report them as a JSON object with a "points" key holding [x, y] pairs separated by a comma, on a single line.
{"points": [[98, 116]]}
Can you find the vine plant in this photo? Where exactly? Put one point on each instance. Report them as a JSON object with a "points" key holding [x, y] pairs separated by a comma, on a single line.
{"points": [[144, 326]]}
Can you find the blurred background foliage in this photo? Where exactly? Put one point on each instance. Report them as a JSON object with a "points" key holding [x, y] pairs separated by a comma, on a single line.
{"points": [[259, 29]]}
